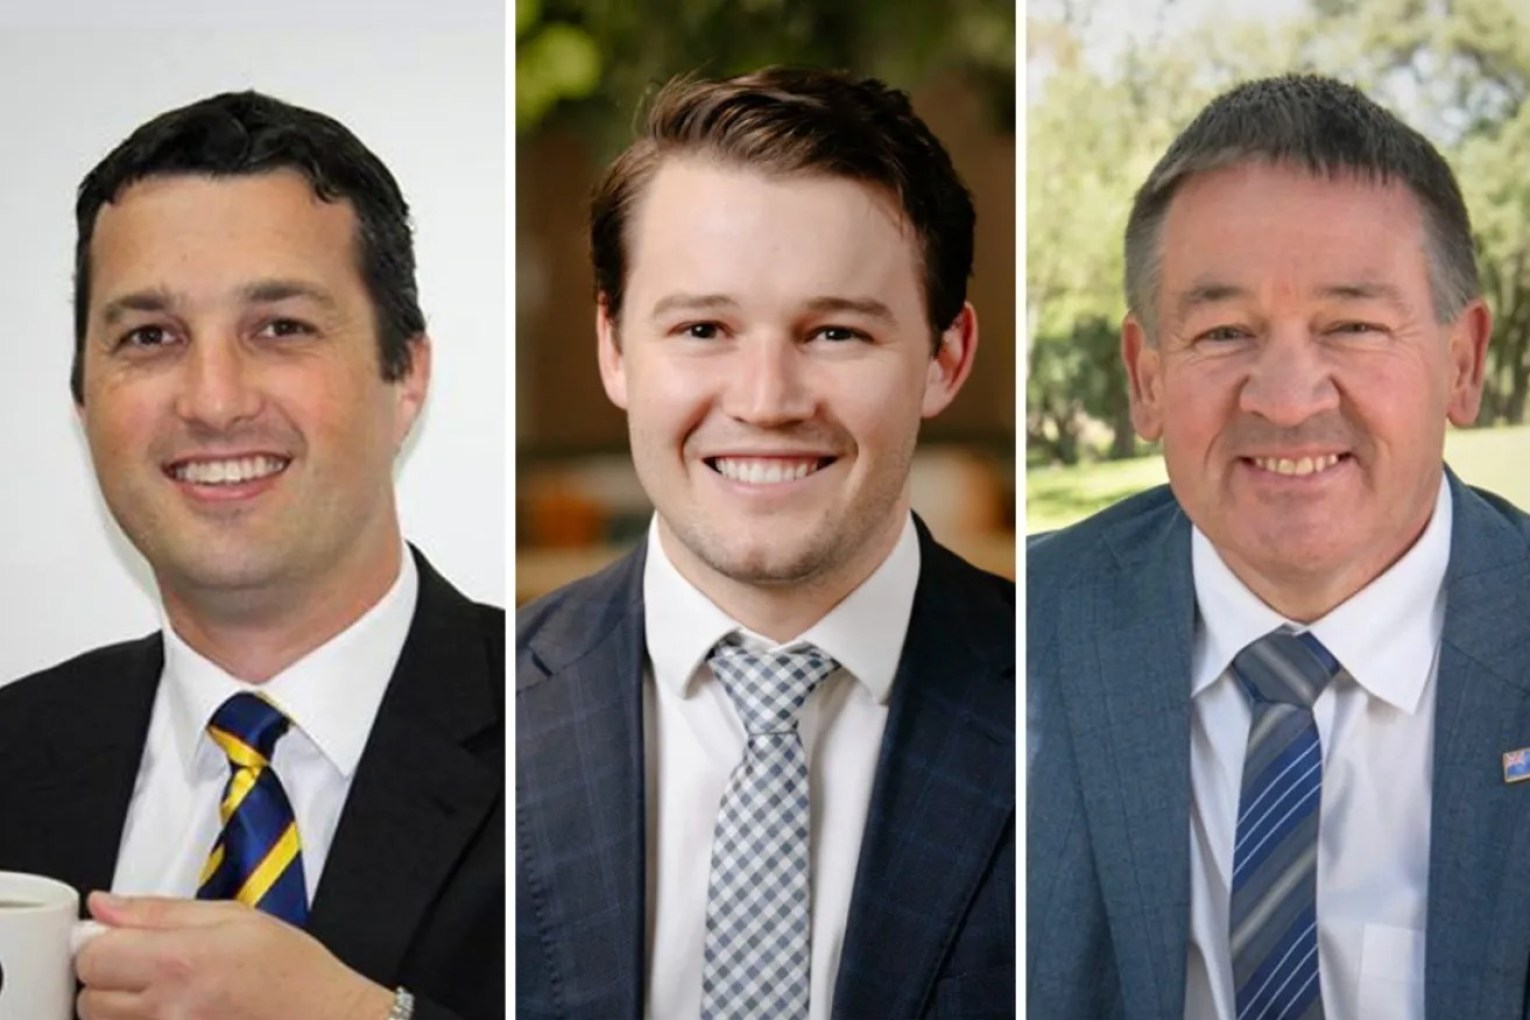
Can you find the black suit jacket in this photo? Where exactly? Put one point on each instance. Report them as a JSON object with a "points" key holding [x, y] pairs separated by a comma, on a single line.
{"points": [[931, 927], [413, 891]]}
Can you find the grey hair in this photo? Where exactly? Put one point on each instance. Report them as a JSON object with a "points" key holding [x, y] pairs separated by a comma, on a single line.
{"points": [[1329, 129]]}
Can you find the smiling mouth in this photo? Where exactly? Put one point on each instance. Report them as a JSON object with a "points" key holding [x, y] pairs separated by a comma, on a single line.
{"points": [[1299, 467], [227, 471], [767, 470]]}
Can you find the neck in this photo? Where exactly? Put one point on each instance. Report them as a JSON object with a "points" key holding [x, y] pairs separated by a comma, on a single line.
{"points": [[255, 634]]}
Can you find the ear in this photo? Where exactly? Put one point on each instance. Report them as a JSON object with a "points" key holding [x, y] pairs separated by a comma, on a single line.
{"points": [[412, 388], [1468, 351], [1144, 373], [609, 354], [952, 362]]}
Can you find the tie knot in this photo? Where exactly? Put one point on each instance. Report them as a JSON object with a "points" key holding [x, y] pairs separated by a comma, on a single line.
{"points": [[247, 727], [1285, 667], [768, 688]]}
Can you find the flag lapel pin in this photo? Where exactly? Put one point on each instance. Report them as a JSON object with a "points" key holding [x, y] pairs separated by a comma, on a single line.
{"points": [[1516, 765]]}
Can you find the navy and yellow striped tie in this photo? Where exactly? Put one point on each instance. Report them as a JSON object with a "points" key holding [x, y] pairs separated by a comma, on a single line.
{"points": [[257, 859]]}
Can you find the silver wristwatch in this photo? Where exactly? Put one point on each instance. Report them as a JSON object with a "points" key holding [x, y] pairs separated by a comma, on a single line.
{"points": [[403, 1005]]}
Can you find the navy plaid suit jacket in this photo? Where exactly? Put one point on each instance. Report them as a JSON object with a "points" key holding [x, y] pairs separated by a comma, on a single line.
{"points": [[931, 927]]}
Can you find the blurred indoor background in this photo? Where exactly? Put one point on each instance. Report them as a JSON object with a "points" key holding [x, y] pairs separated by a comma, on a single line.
{"points": [[582, 69]]}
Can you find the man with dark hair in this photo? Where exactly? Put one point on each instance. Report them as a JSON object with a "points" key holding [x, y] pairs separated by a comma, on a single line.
{"points": [[1278, 710], [765, 764], [295, 789]]}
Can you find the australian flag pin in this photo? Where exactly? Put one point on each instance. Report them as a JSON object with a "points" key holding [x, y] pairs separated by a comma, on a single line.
{"points": [[1516, 765]]}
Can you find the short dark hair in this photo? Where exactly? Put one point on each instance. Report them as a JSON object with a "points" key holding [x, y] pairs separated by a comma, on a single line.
{"points": [[239, 133], [798, 121], [1323, 126]]}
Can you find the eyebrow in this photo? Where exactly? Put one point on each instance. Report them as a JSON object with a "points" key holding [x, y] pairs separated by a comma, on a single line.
{"points": [[260, 292], [264, 292], [673, 302], [156, 300], [1215, 292], [869, 307]]}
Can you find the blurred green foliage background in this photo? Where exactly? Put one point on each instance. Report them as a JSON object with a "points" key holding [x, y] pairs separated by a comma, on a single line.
{"points": [[586, 62], [1102, 107]]}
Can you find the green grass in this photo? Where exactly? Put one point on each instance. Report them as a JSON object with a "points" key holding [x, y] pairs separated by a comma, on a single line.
{"points": [[1496, 459]]}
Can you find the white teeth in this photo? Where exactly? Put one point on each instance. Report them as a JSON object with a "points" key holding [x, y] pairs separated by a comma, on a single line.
{"points": [[767, 471], [1297, 468], [228, 472]]}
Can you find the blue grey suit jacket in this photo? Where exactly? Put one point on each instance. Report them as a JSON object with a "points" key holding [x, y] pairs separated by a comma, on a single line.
{"points": [[931, 926], [1111, 614]]}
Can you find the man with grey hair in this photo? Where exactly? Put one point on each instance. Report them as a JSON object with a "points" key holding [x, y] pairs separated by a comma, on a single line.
{"points": [[1279, 709]]}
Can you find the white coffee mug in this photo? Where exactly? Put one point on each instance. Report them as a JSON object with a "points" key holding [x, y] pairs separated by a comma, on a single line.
{"points": [[39, 935]]}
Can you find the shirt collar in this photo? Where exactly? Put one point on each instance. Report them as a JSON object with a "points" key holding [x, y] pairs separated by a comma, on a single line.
{"points": [[864, 633], [331, 694], [1385, 635]]}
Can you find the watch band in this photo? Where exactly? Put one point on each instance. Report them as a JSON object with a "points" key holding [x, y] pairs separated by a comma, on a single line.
{"points": [[403, 1005]]}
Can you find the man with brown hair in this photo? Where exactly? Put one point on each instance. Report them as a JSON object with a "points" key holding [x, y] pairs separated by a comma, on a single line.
{"points": [[766, 762]]}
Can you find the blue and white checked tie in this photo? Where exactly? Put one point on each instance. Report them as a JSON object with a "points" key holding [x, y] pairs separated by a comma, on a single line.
{"points": [[1272, 922], [758, 940]]}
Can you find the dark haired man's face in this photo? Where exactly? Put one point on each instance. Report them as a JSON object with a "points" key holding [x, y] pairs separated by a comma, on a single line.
{"points": [[774, 363], [1301, 382], [240, 429]]}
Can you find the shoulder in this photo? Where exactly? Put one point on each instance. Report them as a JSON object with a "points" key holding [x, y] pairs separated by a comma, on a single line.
{"points": [[92, 682], [965, 603], [1054, 557], [563, 623], [980, 590], [1480, 509], [445, 613]]}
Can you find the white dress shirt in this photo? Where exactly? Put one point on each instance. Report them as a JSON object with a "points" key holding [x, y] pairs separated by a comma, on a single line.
{"points": [[693, 739], [331, 695], [1376, 725]]}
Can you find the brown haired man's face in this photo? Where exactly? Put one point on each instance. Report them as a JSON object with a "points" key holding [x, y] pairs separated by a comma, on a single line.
{"points": [[774, 361]]}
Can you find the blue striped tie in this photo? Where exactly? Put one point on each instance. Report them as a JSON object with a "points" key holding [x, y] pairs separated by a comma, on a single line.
{"points": [[258, 858], [1272, 922]]}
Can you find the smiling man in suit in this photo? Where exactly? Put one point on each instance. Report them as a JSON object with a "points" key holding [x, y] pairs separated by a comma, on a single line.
{"points": [[1274, 706], [765, 763], [295, 789]]}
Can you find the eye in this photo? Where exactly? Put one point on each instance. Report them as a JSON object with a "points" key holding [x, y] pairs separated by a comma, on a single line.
{"points": [[1222, 334], [839, 334], [1355, 328], [281, 328], [701, 330], [146, 337]]}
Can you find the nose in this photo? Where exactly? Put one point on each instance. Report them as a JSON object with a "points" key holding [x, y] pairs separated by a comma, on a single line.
{"points": [[1291, 381], [768, 386], [217, 386]]}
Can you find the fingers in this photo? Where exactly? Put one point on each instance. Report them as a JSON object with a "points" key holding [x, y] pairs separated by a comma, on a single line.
{"points": [[94, 1004], [161, 912], [128, 960]]}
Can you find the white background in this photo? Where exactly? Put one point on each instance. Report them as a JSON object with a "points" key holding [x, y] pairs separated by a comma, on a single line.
{"points": [[421, 83]]}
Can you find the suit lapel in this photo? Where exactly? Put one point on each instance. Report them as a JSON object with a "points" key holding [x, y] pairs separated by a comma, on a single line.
{"points": [[1479, 888], [1125, 653], [579, 794], [422, 789], [947, 767]]}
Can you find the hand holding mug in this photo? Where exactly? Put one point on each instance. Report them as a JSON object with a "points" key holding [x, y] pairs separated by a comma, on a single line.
{"points": [[160, 958]]}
